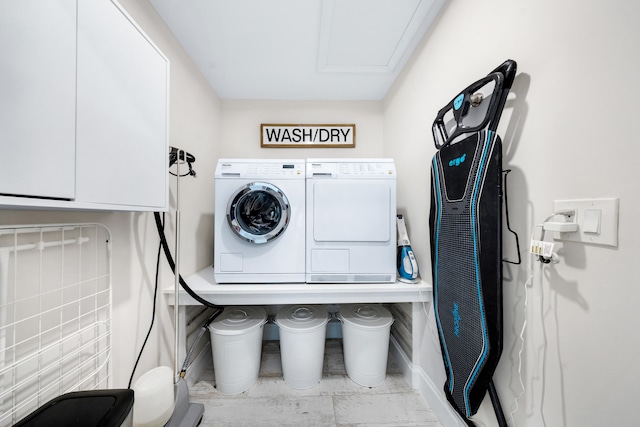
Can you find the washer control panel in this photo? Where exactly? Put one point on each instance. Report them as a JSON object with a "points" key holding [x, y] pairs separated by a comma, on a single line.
{"points": [[262, 169]]}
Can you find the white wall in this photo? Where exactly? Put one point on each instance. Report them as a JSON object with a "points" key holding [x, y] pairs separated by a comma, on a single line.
{"points": [[566, 132], [194, 126], [565, 136], [241, 127]]}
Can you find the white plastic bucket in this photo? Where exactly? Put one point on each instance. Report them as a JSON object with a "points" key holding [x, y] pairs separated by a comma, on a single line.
{"points": [[302, 335], [236, 343], [153, 398], [365, 335]]}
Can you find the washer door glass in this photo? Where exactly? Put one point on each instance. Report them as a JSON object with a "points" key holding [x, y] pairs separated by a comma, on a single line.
{"points": [[258, 212]]}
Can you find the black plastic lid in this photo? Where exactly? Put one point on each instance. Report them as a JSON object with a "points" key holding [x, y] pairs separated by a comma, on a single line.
{"points": [[95, 408]]}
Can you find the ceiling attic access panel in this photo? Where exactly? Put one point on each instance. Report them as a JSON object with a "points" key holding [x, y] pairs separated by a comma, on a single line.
{"points": [[299, 50], [371, 36]]}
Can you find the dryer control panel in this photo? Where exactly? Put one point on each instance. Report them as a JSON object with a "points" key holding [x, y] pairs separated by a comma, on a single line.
{"points": [[351, 168]]}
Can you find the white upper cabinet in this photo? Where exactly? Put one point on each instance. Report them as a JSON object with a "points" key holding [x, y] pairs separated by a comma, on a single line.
{"points": [[121, 153], [38, 98], [89, 110]]}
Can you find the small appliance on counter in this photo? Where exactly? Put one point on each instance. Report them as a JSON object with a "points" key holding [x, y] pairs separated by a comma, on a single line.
{"points": [[406, 262]]}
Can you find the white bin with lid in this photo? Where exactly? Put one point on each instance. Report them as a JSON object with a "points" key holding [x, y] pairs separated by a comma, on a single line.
{"points": [[236, 343], [365, 335], [302, 335]]}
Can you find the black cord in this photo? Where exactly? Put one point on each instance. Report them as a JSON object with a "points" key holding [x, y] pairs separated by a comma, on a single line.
{"points": [[173, 158], [153, 313], [167, 253], [175, 155], [186, 174], [497, 407], [190, 173]]}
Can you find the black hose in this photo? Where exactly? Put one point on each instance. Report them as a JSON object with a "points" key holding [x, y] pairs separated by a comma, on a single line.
{"points": [[172, 264], [497, 408]]}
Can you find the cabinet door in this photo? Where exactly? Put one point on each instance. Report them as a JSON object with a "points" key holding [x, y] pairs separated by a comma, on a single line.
{"points": [[122, 152], [37, 98]]}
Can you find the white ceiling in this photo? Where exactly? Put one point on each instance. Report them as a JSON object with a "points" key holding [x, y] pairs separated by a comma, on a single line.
{"points": [[299, 49]]}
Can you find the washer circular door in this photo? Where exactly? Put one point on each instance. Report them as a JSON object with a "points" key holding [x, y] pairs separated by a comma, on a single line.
{"points": [[258, 212]]}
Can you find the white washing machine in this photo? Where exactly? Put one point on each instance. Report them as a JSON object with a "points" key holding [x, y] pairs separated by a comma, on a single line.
{"points": [[259, 221], [351, 221]]}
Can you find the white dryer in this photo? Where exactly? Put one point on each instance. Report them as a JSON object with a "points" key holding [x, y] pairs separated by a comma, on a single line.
{"points": [[351, 221], [259, 221]]}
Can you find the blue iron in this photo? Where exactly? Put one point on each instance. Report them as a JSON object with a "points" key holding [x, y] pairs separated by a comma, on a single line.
{"points": [[406, 262]]}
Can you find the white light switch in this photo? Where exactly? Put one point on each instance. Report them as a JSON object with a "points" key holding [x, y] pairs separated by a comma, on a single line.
{"points": [[592, 221]]}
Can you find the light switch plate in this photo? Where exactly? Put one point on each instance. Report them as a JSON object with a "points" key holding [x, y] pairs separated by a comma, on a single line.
{"points": [[592, 219], [608, 230]]}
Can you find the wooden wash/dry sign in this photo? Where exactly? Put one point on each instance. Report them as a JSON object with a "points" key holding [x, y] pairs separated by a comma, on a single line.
{"points": [[312, 135]]}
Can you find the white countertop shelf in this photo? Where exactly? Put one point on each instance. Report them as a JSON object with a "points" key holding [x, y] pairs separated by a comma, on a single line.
{"points": [[203, 283]]}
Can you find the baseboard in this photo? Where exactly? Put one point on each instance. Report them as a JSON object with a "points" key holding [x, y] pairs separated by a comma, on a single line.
{"points": [[419, 380], [402, 360]]}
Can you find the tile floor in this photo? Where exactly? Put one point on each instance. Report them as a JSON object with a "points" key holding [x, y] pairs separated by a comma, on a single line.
{"points": [[336, 401]]}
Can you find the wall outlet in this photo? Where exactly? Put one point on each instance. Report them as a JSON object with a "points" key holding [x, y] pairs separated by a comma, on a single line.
{"points": [[597, 220]]}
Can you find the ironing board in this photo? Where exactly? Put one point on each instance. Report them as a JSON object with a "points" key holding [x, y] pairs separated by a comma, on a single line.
{"points": [[466, 239]]}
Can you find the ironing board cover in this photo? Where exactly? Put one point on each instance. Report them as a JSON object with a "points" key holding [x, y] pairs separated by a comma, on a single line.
{"points": [[466, 250]]}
